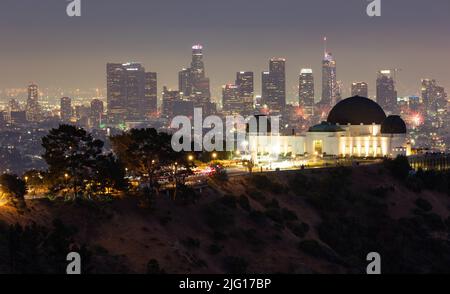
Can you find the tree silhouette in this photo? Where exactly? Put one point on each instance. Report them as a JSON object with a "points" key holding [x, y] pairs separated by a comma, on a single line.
{"points": [[149, 154]]}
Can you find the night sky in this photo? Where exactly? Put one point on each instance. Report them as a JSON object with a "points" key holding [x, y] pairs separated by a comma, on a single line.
{"points": [[39, 42]]}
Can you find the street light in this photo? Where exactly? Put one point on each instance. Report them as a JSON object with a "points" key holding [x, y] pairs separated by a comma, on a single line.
{"points": [[214, 155], [190, 157]]}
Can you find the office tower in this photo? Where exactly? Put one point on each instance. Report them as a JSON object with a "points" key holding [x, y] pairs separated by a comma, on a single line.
{"points": [[96, 116], [151, 94], [200, 83], [245, 84], [130, 92], [306, 91], [33, 109], [137, 105], [231, 100], [14, 105], [66, 109], [184, 82], [169, 97], [329, 79], [194, 84], [360, 89], [386, 93], [116, 93], [274, 86], [433, 96], [197, 65], [339, 90]]}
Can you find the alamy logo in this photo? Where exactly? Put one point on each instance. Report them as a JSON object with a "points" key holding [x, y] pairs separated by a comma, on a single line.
{"points": [[374, 267], [74, 8], [74, 266], [374, 8]]}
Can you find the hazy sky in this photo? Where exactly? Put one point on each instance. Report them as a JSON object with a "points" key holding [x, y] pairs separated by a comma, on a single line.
{"points": [[39, 42]]}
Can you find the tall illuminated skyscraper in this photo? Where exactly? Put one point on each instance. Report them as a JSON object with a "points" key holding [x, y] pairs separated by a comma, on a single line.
{"points": [[329, 80], [360, 89], [386, 93], [193, 83], [184, 82], [96, 117], [306, 91], [33, 109], [433, 96], [245, 84], [151, 94], [131, 92], [66, 109], [231, 100], [169, 98], [274, 86], [116, 93], [135, 88]]}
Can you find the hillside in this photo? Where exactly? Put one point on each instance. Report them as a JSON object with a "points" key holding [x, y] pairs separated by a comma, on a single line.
{"points": [[313, 221]]}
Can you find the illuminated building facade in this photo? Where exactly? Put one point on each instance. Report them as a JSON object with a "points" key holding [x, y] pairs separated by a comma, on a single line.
{"points": [[356, 127], [231, 100], [306, 91], [274, 86], [131, 92], [33, 109], [66, 109], [245, 84], [386, 93], [360, 89], [329, 80]]}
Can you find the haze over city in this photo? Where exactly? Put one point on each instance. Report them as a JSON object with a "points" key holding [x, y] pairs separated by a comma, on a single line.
{"points": [[41, 43]]}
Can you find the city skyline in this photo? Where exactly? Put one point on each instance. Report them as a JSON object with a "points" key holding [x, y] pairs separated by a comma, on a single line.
{"points": [[162, 46]]}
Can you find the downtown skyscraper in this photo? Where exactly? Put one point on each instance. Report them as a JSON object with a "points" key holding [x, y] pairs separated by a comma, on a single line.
{"points": [[246, 88], [66, 109], [386, 92], [193, 83], [434, 97], [131, 92], [329, 79], [231, 100], [360, 89], [306, 91], [274, 86], [33, 109]]}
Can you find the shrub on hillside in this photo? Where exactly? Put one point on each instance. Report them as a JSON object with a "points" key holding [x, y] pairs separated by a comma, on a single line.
{"points": [[399, 167], [423, 204], [244, 203], [235, 265], [153, 268]]}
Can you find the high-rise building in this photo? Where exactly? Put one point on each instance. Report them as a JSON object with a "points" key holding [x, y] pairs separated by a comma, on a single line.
{"points": [[360, 89], [434, 97], [231, 100], [329, 79], [33, 109], [137, 105], [116, 93], [245, 84], [185, 82], [274, 86], [386, 93], [151, 94], [306, 91], [169, 97], [66, 109], [193, 83], [96, 117], [197, 65], [130, 92]]}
